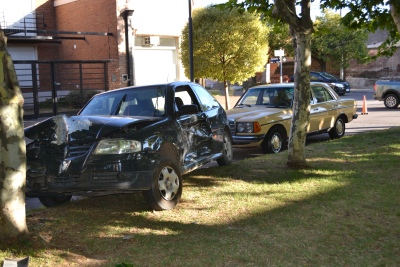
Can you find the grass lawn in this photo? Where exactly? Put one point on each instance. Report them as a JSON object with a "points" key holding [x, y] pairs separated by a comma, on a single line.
{"points": [[342, 211]]}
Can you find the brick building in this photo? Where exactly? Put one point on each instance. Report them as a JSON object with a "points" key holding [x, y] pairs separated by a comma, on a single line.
{"points": [[139, 39]]}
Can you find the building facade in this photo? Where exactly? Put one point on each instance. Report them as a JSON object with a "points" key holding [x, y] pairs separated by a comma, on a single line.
{"points": [[139, 39]]}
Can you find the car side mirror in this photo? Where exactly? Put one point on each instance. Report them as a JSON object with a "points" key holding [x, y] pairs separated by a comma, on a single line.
{"points": [[188, 109]]}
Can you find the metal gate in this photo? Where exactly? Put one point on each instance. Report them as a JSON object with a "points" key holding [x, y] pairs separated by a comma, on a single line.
{"points": [[59, 87]]}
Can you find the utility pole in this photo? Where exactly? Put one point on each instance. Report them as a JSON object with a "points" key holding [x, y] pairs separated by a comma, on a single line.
{"points": [[191, 42]]}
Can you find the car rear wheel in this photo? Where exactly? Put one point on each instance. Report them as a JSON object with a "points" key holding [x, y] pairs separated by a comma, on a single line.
{"points": [[54, 201], [166, 188], [275, 141], [227, 154], [391, 101], [338, 130]]}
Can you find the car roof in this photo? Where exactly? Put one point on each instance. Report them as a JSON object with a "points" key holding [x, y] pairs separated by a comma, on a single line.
{"points": [[282, 85], [171, 84]]}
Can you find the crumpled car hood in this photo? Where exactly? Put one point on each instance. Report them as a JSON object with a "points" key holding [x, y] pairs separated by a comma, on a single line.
{"points": [[63, 129], [254, 113]]}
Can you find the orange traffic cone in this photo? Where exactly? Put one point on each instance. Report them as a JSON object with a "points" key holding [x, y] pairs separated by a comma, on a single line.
{"points": [[364, 107]]}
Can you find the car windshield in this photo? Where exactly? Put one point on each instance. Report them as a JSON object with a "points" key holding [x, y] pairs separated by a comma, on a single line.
{"points": [[146, 101], [268, 96], [328, 76]]}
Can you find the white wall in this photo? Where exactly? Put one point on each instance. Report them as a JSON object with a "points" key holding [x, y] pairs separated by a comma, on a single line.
{"points": [[165, 18]]}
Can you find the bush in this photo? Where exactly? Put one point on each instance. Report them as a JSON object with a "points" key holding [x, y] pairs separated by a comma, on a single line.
{"points": [[75, 98]]}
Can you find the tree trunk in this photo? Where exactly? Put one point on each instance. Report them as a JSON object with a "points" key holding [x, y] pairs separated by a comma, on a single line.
{"points": [[12, 150], [302, 97], [227, 101], [395, 12]]}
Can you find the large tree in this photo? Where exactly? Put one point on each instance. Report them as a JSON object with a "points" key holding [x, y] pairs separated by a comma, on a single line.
{"points": [[334, 43], [301, 28], [228, 46], [370, 14], [12, 150]]}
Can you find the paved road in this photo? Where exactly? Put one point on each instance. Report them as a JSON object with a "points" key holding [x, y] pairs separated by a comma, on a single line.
{"points": [[378, 118]]}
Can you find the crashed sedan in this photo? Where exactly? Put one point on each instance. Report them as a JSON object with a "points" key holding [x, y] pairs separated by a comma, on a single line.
{"points": [[263, 115], [132, 139]]}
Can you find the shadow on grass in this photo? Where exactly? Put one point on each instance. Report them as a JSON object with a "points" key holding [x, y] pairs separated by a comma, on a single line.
{"points": [[341, 212]]}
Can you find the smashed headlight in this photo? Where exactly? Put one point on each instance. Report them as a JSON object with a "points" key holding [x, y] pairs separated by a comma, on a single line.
{"points": [[117, 146]]}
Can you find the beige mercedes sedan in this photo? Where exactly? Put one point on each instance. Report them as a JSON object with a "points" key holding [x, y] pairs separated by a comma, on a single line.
{"points": [[263, 115]]}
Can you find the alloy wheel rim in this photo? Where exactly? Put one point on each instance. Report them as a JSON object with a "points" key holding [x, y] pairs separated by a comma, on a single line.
{"points": [[227, 147], [276, 143], [168, 183]]}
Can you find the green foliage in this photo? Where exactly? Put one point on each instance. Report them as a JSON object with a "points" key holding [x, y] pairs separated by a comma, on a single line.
{"points": [[334, 43], [370, 15], [73, 99], [228, 45], [78, 97], [279, 37]]}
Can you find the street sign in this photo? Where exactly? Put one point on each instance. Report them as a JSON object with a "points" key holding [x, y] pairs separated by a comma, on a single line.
{"points": [[279, 53]]}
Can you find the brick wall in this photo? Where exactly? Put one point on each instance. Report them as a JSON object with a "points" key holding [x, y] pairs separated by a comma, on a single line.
{"points": [[84, 16], [47, 51]]}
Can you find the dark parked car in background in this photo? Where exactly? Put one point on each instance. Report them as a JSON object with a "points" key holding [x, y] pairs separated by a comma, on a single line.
{"points": [[341, 87], [132, 139]]}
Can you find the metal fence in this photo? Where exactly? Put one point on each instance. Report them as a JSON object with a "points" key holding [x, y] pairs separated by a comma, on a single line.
{"points": [[59, 87]]}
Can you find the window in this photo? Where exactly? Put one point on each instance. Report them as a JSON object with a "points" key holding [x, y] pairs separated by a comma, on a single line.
{"points": [[321, 94], [186, 96], [207, 101], [147, 101], [251, 97]]}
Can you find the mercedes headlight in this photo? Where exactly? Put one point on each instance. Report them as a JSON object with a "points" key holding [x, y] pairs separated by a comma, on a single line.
{"points": [[248, 127], [117, 146]]}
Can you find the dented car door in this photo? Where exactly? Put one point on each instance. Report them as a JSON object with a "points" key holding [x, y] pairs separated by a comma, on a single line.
{"points": [[195, 133]]}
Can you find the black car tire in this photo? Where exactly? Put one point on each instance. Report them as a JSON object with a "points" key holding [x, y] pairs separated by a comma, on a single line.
{"points": [[391, 101], [275, 141], [227, 153], [166, 187], [338, 130], [49, 202]]}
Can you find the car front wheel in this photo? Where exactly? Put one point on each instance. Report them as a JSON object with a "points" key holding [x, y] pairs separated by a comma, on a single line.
{"points": [[274, 142], [227, 154], [391, 101], [338, 130], [166, 187], [49, 202]]}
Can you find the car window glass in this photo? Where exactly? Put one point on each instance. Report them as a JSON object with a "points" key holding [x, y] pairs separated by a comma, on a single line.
{"points": [[281, 97], [313, 77], [185, 96], [103, 104], [146, 101], [251, 97], [207, 101], [328, 76], [321, 94]]}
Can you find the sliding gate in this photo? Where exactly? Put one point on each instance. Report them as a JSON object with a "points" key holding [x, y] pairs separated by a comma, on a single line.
{"points": [[59, 87]]}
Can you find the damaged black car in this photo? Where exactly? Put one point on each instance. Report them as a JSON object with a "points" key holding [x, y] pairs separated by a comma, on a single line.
{"points": [[141, 138]]}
